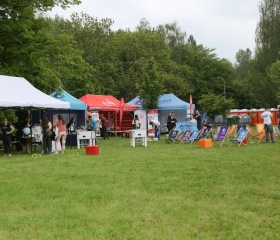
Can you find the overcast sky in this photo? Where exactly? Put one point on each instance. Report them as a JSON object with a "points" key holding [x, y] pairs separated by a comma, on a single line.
{"points": [[226, 25]]}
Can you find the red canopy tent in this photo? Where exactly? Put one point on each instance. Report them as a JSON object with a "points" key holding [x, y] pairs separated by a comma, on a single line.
{"points": [[109, 106], [105, 103]]}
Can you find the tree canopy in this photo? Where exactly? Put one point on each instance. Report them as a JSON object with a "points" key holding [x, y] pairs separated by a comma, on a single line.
{"points": [[84, 55]]}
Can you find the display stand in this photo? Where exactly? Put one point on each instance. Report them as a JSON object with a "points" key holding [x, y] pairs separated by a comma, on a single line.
{"points": [[138, 136], [85, 138]]}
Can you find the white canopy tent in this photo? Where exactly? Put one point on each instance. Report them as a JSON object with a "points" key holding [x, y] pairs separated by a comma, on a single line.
{"points": [[17, 92]]}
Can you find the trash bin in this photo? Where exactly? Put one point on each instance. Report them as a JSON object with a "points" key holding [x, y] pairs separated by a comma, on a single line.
{"points": [[232, 119]]}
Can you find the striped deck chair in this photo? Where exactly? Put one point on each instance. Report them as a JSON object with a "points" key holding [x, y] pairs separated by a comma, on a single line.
{"points": [[232, 130], [260, 135], [251, 132], [240, 138], [183, 137], [260, 127], [221, 136], [171, 136], [193, 137]]}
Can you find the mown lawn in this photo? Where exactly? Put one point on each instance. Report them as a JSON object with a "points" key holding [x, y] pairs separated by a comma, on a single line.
{"points": [[164, 191]]}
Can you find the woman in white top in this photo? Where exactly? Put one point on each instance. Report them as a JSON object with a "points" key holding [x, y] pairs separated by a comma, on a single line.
{"points": [[192, 120]]}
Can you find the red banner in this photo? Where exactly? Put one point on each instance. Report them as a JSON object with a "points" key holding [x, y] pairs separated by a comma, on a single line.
{"points": [[121, 110], [190, 104]]}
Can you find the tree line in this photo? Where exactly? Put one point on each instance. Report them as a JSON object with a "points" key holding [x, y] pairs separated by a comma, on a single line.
{"points": [[84, 55]]}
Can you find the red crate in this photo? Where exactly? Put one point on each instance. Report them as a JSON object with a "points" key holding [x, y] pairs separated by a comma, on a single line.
{"points": [[92, 150]]}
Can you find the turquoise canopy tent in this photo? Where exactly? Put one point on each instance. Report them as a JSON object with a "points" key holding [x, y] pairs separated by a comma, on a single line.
{"points": [[77, 111], [75, 104]]}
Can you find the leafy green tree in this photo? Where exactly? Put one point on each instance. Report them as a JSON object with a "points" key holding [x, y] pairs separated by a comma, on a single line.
{"points": [[268, 34], [26, 43], [215, 104], [274, 74], [243, 63], [152, 87]]}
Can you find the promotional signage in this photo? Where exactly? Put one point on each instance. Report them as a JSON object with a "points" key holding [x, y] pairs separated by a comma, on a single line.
{"points": [[183, 126], [152, 114]]}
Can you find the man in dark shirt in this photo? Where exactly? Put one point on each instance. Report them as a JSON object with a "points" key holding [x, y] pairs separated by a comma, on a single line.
{"points": [[198, 119], [104, 123], [171, 121]]}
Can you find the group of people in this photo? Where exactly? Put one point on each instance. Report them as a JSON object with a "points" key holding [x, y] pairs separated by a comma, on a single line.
{"points": [[47, 131], [171, 122], [7, 129], [103, 123]]}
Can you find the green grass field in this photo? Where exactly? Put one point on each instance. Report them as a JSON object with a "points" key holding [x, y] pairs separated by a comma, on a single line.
{"points": [[164, 191]]}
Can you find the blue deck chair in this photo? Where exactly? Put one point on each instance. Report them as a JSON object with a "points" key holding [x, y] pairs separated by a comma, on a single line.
{"points": [[183, 137], [193, 137], [221, 136], [171, 136], [204, 134], [240, 137]]}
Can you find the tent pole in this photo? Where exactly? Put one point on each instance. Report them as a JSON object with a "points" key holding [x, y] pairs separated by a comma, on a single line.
{"points": [[70, 129]]}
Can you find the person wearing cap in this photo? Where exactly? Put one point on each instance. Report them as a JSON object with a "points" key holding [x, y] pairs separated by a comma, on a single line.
{"points": [[266, 117], [93, 125]]}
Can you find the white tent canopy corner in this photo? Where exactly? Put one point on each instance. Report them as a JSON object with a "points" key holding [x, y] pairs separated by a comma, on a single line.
{"points": [[19, 93]]}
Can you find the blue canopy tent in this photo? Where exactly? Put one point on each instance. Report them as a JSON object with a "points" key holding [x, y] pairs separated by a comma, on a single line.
{"points": [[77, 111], [166, 103]]}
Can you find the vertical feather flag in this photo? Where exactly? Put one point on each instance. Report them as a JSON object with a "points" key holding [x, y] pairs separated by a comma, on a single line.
{"points": [[190, 104], [121, 110]]}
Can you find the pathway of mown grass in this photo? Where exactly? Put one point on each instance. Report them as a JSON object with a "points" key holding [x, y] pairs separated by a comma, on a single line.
{"points": [[164, 191]]}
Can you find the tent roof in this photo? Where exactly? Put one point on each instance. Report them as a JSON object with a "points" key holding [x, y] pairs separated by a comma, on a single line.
{"points": [[103, 102], [17, 92], [75, 104], [165, 102]]}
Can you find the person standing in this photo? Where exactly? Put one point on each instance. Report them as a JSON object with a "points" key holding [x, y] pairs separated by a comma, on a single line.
{"points": [[136, 122], [6, 130], [104, 123], [156, 125], [266, 117], [192, 120], [278, 117], [93, 125], [47, 135], [171, 121], [71, 125], [61, 134], [28, 137], [198, 119]]}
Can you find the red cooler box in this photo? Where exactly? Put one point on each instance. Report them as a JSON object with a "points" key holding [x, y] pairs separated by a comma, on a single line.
{"points": [[92, 150]]}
